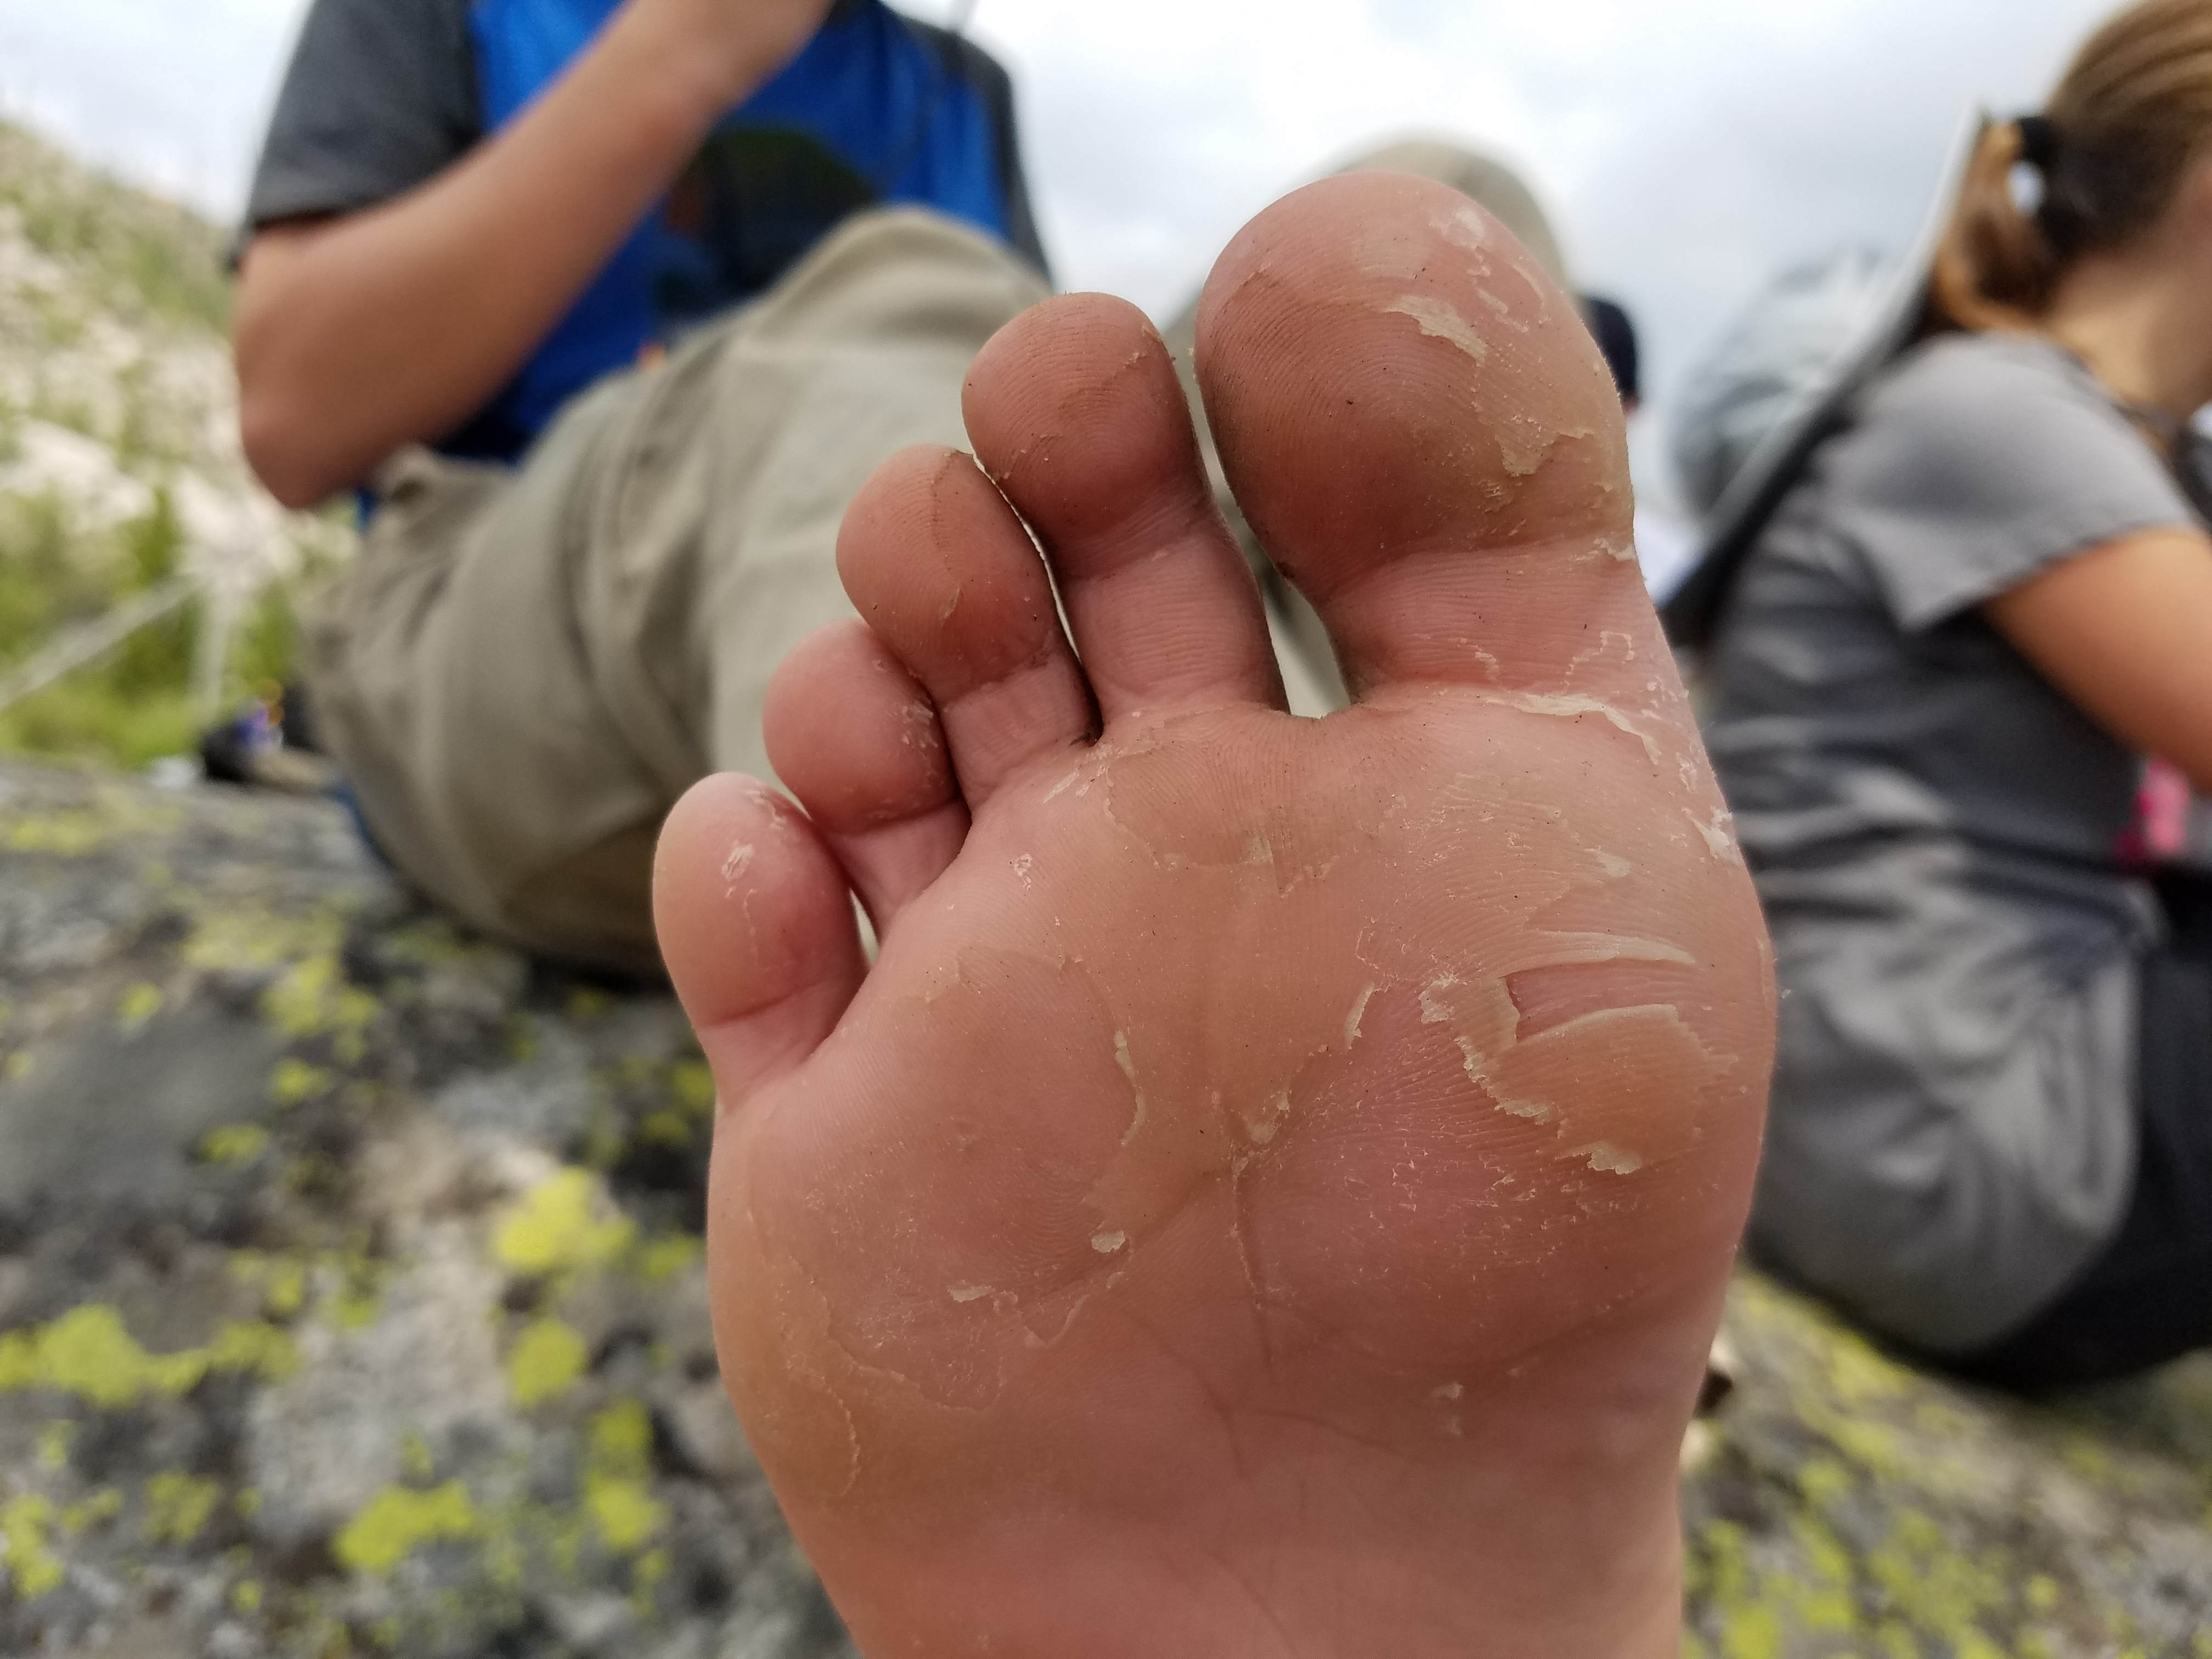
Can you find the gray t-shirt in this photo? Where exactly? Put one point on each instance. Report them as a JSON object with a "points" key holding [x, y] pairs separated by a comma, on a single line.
{"points": [[1938, 835]]}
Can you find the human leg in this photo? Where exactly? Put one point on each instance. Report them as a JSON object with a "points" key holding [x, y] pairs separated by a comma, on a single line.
{"points": [[448, 688], [1274, 1191], [714, 525], [527, 669], [2147, 1298]]}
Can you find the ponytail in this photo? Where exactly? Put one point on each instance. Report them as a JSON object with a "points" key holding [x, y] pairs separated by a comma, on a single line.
{"points": [[2131, 116], [1996, 267]]}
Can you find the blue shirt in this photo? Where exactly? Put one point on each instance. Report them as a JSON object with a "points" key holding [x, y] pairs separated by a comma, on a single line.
{"points": [[877, 109]]}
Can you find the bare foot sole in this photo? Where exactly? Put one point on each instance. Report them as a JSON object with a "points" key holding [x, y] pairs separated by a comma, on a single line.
{"points": [[1274, 1191]]}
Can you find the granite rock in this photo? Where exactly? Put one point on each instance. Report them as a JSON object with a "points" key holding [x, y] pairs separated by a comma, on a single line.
{"points": [[351, 1302]]}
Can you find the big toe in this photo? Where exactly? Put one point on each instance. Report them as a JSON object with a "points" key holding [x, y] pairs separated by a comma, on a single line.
{"points": [[1421, 433]]}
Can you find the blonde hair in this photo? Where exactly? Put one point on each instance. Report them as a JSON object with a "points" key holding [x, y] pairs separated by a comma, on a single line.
{"points": [[2133, 112]]}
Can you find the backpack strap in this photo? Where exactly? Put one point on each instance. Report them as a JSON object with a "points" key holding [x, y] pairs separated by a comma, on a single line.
{"points": [[1693, 615]]}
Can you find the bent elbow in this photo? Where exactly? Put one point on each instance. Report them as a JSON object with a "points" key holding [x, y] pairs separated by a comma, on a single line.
{"points": [[271, 436]]}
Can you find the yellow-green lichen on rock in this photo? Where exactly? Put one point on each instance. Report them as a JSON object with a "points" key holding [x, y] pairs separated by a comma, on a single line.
{"points": [[293, 1081], [139, 1003], [26, 1523], [235, 1144], [665, 1257], [110, 814], [398, 1521], [88, 1353], [1853, 1504], [563, 1224], [625, 1513], [545, 1362], [179, 1506], [313, 1000]]}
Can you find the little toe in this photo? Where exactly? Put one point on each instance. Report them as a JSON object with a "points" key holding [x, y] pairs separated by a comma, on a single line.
{"points": [[1076, 413], [944, 575], [1422, 433], [858, 741], [755, 926]]}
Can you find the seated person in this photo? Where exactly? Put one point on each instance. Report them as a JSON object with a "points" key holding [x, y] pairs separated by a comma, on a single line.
{"points": [[478, 228], [1988, 600]]}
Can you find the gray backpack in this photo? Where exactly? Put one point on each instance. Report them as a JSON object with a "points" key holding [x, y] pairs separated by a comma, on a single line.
{"points": [[1781, 381]]}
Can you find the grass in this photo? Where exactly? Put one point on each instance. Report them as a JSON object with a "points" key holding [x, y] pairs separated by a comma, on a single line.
{"points": [[150, 265], [145, 257], [135, 703]]}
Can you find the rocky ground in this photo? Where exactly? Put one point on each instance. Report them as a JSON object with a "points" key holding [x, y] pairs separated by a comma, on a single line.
{"points": [[351, 1302], [350, 1291]]}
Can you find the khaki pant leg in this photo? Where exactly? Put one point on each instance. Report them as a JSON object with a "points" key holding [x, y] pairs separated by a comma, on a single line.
{"points": [[525, 669], [450, 685], [715, 546]]}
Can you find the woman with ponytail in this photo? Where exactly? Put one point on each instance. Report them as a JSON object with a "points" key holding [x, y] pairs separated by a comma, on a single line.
{"points": [[1969, 648]]}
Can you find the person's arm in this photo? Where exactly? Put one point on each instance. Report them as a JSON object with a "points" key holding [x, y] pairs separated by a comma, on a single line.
{"points": [[2125, 631], [357, 334]]}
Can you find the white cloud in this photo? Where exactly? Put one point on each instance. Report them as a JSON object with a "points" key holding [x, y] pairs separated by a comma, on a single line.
{"points": [[170, 94], [1687, 149]]}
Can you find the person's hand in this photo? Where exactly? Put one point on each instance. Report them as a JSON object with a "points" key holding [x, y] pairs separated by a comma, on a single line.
{"points": [[739, 44]]}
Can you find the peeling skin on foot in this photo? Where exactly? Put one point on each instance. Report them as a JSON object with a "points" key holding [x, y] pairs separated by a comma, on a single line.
{"points": [[1524, 451], [1567, 950], [1465, 225], [1262, 1128], [1434, 1009], [734, 865], [1719, 832], [1215, 1130], [1568, 706], [1036, 1342], [1611, 646], [1487, 659], [1129, 1065], [1608, 1160], [1448, 1396], [1089, 771], [1620, 549], [1477, 1066], [1505, 311], [1540, 1078], [1440, 322], [1359, 1013]]}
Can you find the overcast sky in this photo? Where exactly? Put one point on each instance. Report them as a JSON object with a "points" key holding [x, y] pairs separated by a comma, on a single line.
{"points": [[1686, 148]]}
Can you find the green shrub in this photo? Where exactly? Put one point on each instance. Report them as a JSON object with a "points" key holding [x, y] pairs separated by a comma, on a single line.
{"points": [[141, 261], [144, 255]]}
